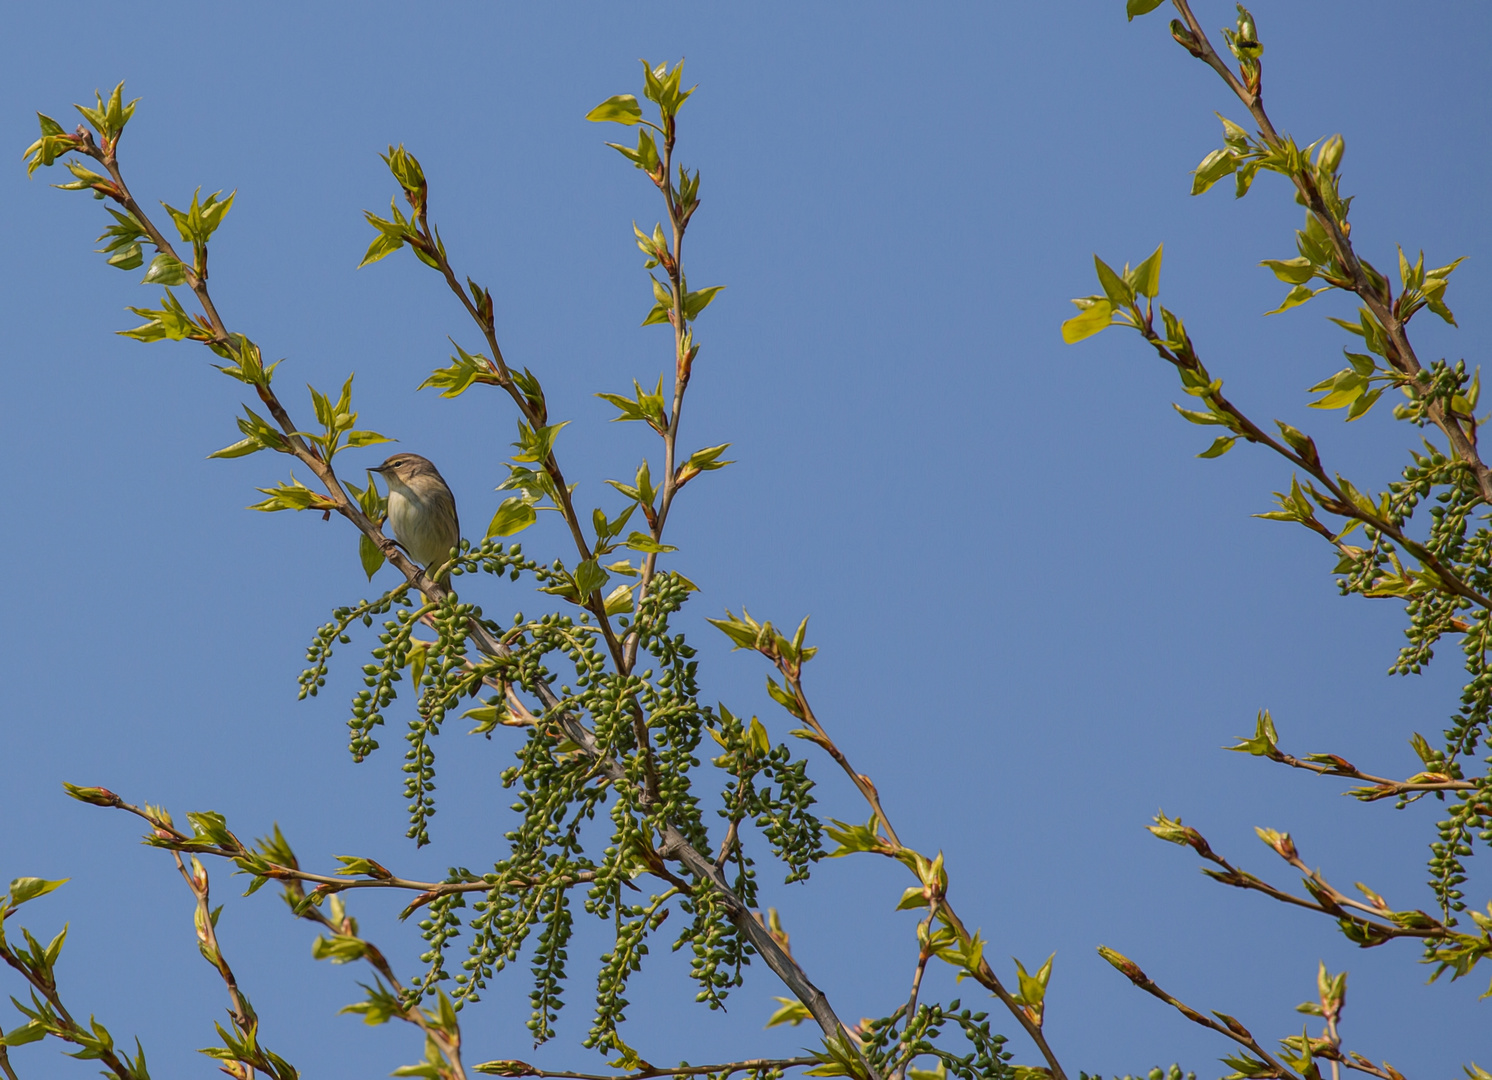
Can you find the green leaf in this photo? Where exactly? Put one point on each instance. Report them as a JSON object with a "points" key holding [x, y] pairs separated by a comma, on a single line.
{"points": [[1033, 987], [706, 460], [514, 515], [197, 223], [1146, 277], [109, 120], [383, 245], [1298, 440], [644, 406], [26, 1033], [618, 109], [1115, 287], [1361, 406], [1265, 741], [1141, 7], [1233, 134], [696, 301], [535, 485], [913, 897], [1297, 296], [1295, 271], [793, 1012], [366, 438], [127, 258], [589, 577], [248, 366], [851, 838], [341, 949], [255, 429], [418, 654], [1212, 168], [54, 142], [642, 542], [1097, 315], [536, 444], [662, 303], [164, 270], [466, 368], [1345, 388], [1220, 446], [242, 448], [29, 888], [370, 555], [1244, 177], [619, 600], [1198, 417], [292, 496], [86, 178]]}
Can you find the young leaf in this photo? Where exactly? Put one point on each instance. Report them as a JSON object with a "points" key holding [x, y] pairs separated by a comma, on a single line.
{"points": [[646, 544], [29, 888], [1115, 287], [536, 444], [466, 368], [1146, 277], [1097, 315], [1212, 168], [793, 1012], [1295, 271], [697, 301], [164, 270], [705, 460], [618, 109], [589, 577], [619, 600], [1141, 7], [369, 554], [1297, 296], [514, 515], [383, 245]]}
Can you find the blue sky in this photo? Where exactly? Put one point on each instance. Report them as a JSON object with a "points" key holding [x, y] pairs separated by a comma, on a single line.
{"points": [[1039, 614]]}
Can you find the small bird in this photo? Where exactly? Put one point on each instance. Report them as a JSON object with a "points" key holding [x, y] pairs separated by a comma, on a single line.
{"points": [[422, 510]]}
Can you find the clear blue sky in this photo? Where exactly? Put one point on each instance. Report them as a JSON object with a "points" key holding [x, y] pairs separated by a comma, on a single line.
{"points": [[1039, 615]]}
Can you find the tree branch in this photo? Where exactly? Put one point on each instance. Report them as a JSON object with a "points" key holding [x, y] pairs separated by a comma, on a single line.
{"points": [[523, 1068], [1400, 352]]}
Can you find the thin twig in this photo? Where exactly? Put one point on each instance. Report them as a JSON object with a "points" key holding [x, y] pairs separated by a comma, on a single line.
{"points": [[1400, 352], [523, 1068], [1341, 503], [1230, 1028], [329, 884], [1385, 787], [985, 975], [1328, 900], [674, 844], [47, 988]]}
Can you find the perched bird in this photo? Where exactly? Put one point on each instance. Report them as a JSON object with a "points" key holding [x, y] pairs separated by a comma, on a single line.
{"points": [[422, 510]]}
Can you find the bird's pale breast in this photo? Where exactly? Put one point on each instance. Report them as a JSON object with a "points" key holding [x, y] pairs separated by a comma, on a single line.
{"points": [[425, 527]]}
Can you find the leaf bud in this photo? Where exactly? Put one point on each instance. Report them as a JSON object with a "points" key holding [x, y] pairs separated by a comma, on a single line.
{"points": [[1281, 843], [1248, 45], [95, 796], [1185, 38], [1128, 967], [1329, 157]]}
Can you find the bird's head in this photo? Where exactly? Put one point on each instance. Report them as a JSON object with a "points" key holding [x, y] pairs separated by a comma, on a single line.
{"points": [[406, 470]]}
